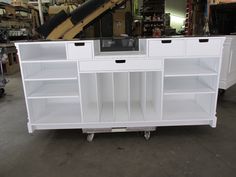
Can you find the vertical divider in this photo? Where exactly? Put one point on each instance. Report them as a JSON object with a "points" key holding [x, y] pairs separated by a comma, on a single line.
{"points": [[143, 93], [113, 96], [128, 96], [98, 98], [162, 94], [80, 92]]}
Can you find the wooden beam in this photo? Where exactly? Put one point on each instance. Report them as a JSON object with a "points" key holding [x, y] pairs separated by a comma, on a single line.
{"points": [[60, 30], [70, 34]]}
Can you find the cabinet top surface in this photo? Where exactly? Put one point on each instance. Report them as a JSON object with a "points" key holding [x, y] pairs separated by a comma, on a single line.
{"points": [[147, 38]]}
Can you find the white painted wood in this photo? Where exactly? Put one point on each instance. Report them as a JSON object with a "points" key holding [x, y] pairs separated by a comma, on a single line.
{"points": [[153, 95], [189, 85], [163, 84], [228, 69], [55, 111], [112, 65], [203, 47], [80, 50], [43, 51], [50, 71], [183, 108], [54, 89], [106, 92], [89, 98], [162, 47], [191, 67], [121, 97]]}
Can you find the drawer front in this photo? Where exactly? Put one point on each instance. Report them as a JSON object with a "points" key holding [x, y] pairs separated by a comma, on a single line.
{"points": [[203, 47], [166, 47], [80, 51], [120, 65]]}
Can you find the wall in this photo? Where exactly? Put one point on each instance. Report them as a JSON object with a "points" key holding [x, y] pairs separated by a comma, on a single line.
{"points": [[177, 9]]}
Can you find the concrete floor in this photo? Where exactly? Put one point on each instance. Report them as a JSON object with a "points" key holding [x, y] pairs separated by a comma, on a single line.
{"points": [[171, 151]]}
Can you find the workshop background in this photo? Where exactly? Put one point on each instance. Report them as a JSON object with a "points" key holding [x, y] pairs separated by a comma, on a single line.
{"points": [[171, 151]]}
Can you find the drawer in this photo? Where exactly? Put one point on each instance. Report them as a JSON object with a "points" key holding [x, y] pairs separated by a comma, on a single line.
{"points": [[80, 51], [203, 47], [120, 65], [166, 47]]}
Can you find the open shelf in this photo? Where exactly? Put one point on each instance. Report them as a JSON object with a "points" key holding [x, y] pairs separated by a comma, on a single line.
{"points": [[122, 93], [153, 95], [52, 89], [121, 97], [89, 97], [188, 85], [137, 96], [191, 67], [55, 111], [50, 71], [106, 97], [42, 52], [188, 107]]}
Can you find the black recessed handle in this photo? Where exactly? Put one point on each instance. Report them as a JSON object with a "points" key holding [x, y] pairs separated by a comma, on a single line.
{"points": [[79, 44], [165, 41], [203, 40], [120, 61]]}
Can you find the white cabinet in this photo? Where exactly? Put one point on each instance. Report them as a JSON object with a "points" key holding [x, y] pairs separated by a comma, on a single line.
{"points": [[170, 82], [228, 68]]}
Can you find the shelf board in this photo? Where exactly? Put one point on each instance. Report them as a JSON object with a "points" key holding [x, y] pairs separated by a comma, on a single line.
{"points": [[55, 90], [185, 86], [106, 114], [53, 74], [151, 113], [183, 109], [44, 58], [121, 112], [90, 113], [59, 113], [136, 113], [187, 70]]}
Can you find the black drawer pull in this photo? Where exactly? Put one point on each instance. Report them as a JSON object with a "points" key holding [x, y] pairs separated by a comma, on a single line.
{"points": [[120, 61], [203, 40], [79, 44], [165, 41]]}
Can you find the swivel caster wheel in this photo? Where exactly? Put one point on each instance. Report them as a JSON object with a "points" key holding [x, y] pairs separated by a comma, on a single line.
{"points": [[147, 135], [90, 137]]}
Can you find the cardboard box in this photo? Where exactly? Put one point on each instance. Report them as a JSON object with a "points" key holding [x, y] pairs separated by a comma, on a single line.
{"points": [[118, 23]]}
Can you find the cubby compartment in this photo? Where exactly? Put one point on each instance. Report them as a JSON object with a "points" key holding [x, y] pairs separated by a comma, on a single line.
{"points": [[42, 51], [52, 89], [191, 67], [137, 96], [106, 97], [189, 85], [89, 95], [189, 107], [153, 96], [54, 111], [50, 71], [122, 96]]}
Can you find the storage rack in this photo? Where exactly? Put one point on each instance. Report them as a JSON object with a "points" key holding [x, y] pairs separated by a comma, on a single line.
{"points": [[153, 8], [71, 84]]}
